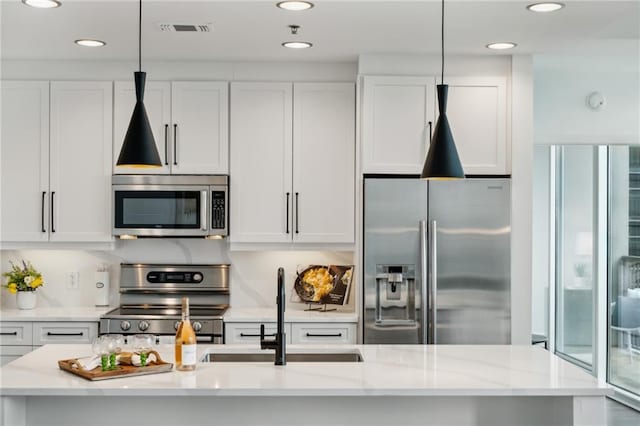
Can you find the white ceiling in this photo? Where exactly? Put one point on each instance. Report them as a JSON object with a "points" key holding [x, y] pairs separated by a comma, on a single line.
{"points": [[339, 30]]}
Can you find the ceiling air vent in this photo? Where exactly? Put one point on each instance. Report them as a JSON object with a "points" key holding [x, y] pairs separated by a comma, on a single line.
{"points": [[186, 28]]}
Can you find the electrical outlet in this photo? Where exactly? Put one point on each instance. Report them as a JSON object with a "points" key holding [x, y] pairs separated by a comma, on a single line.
{"points": [[73, 280]]}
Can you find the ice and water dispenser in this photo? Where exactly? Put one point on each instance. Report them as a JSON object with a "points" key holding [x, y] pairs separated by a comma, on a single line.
{"points": [[396, 295]]}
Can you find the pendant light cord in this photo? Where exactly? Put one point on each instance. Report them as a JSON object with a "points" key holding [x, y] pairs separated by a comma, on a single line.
{"points": [[442, 40], [140, 37]]}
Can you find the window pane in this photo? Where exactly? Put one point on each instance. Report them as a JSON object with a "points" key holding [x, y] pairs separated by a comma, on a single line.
{"points": [[624, 267], [575, 327]]}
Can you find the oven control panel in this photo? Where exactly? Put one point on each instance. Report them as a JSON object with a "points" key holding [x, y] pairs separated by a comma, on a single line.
{"points": [[158, 277]]}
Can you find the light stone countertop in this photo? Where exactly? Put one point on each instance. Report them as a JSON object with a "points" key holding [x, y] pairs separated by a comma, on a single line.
{"points": [[290, 315], [400, 370], [54, 314]]}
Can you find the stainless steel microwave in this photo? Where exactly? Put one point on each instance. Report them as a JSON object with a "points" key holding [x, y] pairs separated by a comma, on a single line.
{"points": [[170, 205]]}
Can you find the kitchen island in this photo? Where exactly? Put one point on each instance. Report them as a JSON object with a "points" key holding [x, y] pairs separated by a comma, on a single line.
{"points": [[408, 385]]}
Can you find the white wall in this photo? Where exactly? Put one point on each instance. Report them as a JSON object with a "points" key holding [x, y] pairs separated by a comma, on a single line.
{"points": [[253, 273], [562, 84], [540, 241], [203, 70]]}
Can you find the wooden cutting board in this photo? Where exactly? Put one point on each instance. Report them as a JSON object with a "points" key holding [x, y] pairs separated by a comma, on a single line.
{"points": [[122, 370]]}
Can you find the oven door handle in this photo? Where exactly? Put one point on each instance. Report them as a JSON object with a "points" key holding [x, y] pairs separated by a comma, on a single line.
{"points": [[205, 339]]}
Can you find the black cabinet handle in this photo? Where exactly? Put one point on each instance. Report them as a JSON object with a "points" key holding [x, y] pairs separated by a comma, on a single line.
{"points": [[288, 194], [175, 144], [297, 230], [53, 194], [324, 335], [166, 144], [430, 131], [257, 335], [13, 333], [64, 334], [44, 194]]}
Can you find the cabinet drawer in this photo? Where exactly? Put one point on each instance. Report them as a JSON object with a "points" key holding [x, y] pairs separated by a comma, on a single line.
{"points": [[248, 332], [328, 333], [15, 333], [64, 332]]}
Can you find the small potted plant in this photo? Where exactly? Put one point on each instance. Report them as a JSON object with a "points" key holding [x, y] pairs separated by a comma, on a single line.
{"points": [[23, 280]]}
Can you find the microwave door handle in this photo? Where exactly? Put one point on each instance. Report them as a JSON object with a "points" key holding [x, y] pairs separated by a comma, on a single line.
{"points": [[203, 210]]}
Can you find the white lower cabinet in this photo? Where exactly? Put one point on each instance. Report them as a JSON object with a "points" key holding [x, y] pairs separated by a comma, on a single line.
{"points": [[297, 333], [9, 353], [20, 338], [323, 333]]}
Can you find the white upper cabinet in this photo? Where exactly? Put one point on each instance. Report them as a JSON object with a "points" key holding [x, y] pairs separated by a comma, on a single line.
{"points": [[56, 161], [397, 118], [200, 127], [477, 112], [292, 187], [324, 162], [261, 152], [80, 159], [157, 102], [189, 121], [24, 195], [398, 114]]}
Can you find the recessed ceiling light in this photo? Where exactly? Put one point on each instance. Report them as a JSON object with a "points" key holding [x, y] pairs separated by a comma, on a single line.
{"points": [[545, 7], [42, 4], [90, 43], [297, 44], [501, 45], [295, 5]]}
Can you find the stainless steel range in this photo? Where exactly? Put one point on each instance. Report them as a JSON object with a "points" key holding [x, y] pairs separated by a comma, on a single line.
{"points": [[150, 298]]}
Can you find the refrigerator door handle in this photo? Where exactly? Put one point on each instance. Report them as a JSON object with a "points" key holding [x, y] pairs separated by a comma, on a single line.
{"points": [[424, 298], [433, 280]]}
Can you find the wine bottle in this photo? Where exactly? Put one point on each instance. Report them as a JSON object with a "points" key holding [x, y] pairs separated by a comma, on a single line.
{"points": [[185, 341]]}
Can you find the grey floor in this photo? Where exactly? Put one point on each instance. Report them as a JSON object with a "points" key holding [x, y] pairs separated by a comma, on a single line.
{"points": [[621, 415]]}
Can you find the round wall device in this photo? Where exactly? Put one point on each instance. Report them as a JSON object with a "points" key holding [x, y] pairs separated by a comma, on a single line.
{"points": [[595, 101]]}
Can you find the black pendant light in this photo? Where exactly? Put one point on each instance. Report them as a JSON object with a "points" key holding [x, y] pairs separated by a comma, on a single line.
{"points": [[139, 147], [442, 160]]}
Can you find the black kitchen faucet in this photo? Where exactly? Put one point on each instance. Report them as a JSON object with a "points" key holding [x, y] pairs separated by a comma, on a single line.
{"points": [[279, 342]]}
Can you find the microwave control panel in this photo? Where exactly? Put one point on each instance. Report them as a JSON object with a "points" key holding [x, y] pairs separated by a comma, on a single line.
{"points": [[218, 208]]}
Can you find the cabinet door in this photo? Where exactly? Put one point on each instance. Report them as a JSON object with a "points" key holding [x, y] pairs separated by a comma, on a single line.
{"points": [[11, 353], [25, 161], [200, 113], [260, 188], [324, 162], [81, 146], [395, 123], [157, 102], [477, 112]]}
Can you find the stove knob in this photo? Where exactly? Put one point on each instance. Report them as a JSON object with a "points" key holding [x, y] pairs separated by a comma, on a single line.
{"points": [[125, 325], [143, 325], [176, 325], [197, 277], [197, 326]]}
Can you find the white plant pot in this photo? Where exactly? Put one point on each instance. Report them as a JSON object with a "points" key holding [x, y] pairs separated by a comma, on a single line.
{"points": [[26, 299]]}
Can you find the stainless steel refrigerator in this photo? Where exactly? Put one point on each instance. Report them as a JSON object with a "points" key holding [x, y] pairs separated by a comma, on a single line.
{"points": [[437, 261]]}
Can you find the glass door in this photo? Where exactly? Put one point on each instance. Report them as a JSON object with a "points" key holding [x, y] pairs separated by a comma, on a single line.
{"points": [[624, 268], [575, 225]]}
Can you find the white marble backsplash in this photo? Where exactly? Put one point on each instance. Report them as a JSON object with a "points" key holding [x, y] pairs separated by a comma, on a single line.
{"points": [[253, 273]]}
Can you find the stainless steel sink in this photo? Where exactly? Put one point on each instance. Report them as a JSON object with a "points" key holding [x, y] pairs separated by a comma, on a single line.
{"points": [[292, 357]]}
